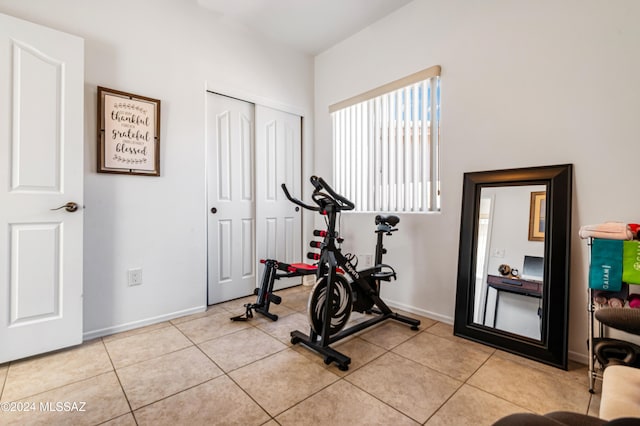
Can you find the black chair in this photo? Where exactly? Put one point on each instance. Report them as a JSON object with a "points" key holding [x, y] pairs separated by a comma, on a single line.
{"points": [[615, 351], [560, 418]]}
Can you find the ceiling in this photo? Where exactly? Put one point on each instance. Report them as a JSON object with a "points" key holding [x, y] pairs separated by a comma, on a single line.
{"points": [[310, 26]]}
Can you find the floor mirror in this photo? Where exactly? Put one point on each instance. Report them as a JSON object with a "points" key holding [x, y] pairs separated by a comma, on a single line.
{"points": [[513, 263]]}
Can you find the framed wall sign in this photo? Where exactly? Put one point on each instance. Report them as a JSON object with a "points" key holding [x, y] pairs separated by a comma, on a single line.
{"points": [[537, 215], [128, 133]]}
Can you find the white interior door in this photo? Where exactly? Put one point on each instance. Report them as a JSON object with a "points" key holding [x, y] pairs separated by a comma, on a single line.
{"points": [[41, 168], [278, 221], [231, 199], [485, 225]]}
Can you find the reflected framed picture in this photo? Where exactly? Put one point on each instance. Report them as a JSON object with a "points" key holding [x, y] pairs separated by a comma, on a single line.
{"points": [[128, 133], [537, 212]]}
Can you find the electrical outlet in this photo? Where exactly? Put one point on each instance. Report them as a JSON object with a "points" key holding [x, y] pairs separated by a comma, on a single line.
{"points": [[134, 277], [498, 252], [366, 261]]}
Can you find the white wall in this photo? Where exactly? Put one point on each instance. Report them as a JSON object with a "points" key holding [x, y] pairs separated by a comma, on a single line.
{"points": [[164, 49], [524, 83]]}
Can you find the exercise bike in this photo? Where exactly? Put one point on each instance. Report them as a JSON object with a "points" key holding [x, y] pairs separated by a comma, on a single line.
{"points": [[335, 294]]}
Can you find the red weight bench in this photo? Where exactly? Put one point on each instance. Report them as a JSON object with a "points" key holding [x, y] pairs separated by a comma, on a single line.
{"points": [[265, 291]]}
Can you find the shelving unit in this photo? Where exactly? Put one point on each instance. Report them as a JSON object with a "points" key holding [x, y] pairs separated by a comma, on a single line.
{"points": [[622, 319], [594, 373]]}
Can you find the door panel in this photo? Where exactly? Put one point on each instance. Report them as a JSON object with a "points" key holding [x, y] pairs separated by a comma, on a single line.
{"points": [[35, 266], [278, 154], [41, 151], [36, 148], [231, 252]]}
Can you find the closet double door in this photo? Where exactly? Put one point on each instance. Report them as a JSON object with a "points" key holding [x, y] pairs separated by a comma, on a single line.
{"points": [[251, 150]]}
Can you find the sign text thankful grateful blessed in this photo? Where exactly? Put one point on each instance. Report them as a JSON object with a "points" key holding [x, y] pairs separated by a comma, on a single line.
{"points": [[129, 133]]}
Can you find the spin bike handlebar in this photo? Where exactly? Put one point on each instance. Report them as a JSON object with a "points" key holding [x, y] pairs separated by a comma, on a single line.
{"points": [[342, 202], [296, 201], [319, 184]]}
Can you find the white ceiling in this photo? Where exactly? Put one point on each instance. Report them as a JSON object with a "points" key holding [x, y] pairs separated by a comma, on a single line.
{"points": [[310, 26]]}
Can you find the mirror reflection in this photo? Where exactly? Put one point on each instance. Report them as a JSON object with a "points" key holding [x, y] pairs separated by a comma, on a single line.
{"points": [[510, 259], [513, 270]]}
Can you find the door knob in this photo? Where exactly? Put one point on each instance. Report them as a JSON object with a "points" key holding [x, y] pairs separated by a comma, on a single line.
{"points": [[70, 207], [297, 208], [214, 210]]}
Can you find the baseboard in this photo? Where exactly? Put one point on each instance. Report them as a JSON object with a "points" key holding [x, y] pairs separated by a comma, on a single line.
{"points": [[418, 311], [88, 335], [578, 357]]}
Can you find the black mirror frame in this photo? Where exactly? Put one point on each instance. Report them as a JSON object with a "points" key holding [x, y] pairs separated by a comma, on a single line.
{"points": [[552, 348]]}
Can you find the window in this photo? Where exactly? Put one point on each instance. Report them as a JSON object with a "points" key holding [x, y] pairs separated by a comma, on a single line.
{"points": [[385, 145]]}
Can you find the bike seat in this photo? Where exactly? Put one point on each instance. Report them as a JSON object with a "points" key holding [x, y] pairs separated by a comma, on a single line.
{"points": [[390, 220], [377, 273], [384, 276]]}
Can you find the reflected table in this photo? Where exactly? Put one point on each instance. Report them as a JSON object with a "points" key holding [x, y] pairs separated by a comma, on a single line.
{"points": [[510, 285]]}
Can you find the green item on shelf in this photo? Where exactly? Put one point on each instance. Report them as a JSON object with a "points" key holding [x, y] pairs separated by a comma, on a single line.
{"points": [[631, 262]]}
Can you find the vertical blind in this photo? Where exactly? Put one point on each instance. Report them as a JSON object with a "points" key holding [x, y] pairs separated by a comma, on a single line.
{"points": [[386, 145]]}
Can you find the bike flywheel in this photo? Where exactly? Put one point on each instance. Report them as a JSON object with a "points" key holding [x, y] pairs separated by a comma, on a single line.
{"points": [[340, 310]]}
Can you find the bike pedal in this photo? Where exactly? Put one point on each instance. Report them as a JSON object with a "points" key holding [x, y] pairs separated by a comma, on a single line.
{"points": [[275, 299]]}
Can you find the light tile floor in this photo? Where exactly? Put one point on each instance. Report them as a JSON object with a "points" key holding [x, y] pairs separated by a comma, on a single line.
{"points": [[206, 369]]}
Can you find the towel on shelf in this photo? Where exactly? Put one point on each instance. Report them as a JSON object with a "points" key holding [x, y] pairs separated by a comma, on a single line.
{"points": [[605, 270], [631, 262], [607, 230]]}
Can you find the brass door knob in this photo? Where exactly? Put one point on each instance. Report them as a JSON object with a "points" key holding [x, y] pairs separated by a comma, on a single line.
{"points": [[70, 207]]}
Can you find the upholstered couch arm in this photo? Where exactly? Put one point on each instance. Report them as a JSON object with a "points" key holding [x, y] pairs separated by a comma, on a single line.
{"points": [[620, 392]]}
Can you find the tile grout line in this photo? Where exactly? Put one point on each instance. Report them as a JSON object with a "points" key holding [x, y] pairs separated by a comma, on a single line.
{"points": [[378, 399], [225, 373], [430, 368], [250, 397], [153, 357], [174, 394], [414, 361], [59, 386], [69, 384], [4, 382], [193, 344], [273, 417], [462, 384], [115, 371], [133, 332], [491, 393], [344, 378]]}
